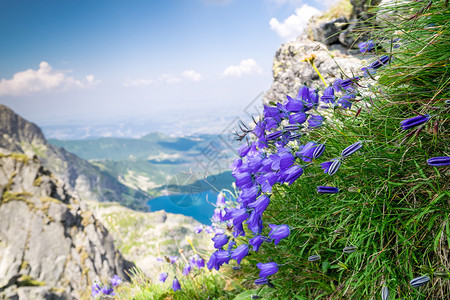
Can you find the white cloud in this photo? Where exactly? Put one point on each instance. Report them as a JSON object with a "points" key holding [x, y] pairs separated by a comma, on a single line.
{"points": [[138, 82], [247, 66], [294, 25], [169, 78], [42, 79], [192, 75]]}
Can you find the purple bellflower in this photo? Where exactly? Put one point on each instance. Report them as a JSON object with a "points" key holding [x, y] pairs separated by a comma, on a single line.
{"points": [[115, 281], [95, 290], [239, 253], [415, 121], [176, 285], [279, 232], [366, 46], [315, 121], [351, 149], [267, 269], [327, 190], [220, 240], [439, 161], [163, 276], [107, 290]]}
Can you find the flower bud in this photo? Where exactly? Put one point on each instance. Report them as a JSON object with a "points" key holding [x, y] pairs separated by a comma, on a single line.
{"points": [[419, 281], [334, 167], [350, 249], [351, 149], [313, 258]]}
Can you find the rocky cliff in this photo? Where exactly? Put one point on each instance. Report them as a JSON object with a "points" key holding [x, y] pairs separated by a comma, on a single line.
{"points": [[19, 135], [51, 246]]}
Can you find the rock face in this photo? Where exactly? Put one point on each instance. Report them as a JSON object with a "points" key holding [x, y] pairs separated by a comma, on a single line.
{"points": [[289, 72], [19, 135], [143, 237], [51, 246]]}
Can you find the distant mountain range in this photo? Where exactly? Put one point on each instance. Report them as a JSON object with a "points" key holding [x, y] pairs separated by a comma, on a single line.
{"points": [[155, 162], [89, 181]]}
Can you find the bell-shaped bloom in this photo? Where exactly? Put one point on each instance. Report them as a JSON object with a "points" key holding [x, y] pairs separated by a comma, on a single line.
{"points": [[260, 204], [240, 216], [176, 285], [187, 269], [439, 161], [345, 101], [173, 259], [413, 122], [267, 269], [351, 149], [315, 121], [271, 111], [328, 95], [95, 290], [197, 261], [107, 290], [208, 229], [220, 202], [327, 190], [297, 118], [239, 253], [292, 174], [243, 150], [293, 105], [279, 232], [326, 166], [306, 152], [220, 240], [115, 281], [243, 179], [256, 242], [366, 46]]}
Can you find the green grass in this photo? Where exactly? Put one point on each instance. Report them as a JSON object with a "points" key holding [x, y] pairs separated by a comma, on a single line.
{"points": [[392, 205]]}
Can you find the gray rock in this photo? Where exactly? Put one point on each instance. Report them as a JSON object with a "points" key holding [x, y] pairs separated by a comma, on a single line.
{"points": [[328, 32], [51, 246], [289, 72], [353, 35], [361, 8]]}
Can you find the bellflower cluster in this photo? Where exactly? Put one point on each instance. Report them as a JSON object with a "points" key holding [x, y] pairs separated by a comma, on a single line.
{"points": [[106, 290]]}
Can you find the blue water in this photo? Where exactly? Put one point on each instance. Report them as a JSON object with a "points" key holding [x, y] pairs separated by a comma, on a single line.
{"points": [[194, 205]]}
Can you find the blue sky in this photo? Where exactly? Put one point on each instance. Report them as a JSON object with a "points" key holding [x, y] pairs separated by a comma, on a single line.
{"points": [[100, 60]]}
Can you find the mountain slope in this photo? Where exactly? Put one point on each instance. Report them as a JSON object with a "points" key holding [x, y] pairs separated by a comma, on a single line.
{"points": [[51, 246], [19, 135]]}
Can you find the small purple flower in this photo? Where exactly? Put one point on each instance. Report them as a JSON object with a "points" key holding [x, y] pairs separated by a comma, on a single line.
{"points": [[208, 229], [107, 290], [220, 240], [315, 121], [413, 122], [351, 149], [334, 167], [439, 161], [187, 270], [326, 166], [173, 259], [292, 174], [345, 102], [366, 46], [198, 228], [95, 290], [327, 190], [381, 61], [328, 95], [220, 200], [267, 269], [256, 242], [176, 285], [260, 204], [279, 232], [239, 253], [163, 276], [115, 281]]}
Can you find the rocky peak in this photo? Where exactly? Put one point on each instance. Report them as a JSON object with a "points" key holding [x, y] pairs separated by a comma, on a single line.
{"points": [[14, 131], [51, 246]]}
